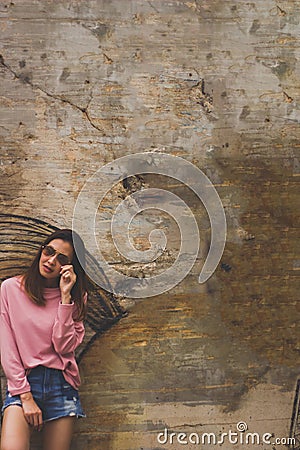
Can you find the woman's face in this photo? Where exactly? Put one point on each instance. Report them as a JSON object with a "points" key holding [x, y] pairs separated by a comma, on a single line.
{"points": [[49, 266]]}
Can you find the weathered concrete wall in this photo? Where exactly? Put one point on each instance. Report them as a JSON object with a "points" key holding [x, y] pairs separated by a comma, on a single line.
{"points": [[83, 83]]}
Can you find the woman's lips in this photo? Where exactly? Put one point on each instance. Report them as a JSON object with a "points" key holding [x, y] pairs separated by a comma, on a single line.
{"points": [[47, 269]]}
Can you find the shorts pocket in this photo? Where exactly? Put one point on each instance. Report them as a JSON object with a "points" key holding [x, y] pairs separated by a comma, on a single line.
{"points": [[66, 385]]}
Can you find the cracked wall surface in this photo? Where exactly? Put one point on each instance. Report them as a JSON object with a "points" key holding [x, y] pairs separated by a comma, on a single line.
{"points": [[217, 83]]}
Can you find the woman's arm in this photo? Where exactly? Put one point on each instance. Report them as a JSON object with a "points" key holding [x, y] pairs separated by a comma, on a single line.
{"points": [[13, 367], [67, 334], [10, 357], [31, 411]]}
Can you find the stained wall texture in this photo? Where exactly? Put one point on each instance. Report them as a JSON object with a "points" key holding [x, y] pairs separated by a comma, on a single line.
{"points": [[214, 82]]}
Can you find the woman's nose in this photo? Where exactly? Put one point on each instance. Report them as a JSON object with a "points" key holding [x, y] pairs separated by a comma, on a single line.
{"points": [[52, 259]]}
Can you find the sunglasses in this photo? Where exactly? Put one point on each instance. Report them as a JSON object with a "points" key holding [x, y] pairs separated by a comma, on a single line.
{"points": [[63, 260]]}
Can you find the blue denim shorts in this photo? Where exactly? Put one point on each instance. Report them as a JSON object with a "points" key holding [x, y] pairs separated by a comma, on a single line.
{"points": [[52, 393]]}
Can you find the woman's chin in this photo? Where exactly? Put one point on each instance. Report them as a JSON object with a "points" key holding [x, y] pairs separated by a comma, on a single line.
{"points": [[49, 278]]}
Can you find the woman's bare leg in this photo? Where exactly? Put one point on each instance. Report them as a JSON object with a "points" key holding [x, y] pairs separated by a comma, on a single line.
{"points": [[15, 433], [58, 433]]}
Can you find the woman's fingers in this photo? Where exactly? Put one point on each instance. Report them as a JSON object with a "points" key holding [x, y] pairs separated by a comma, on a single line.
{"points": [[35, 420], [67, 273], [67, 279], [32, 413], [68, 268]]}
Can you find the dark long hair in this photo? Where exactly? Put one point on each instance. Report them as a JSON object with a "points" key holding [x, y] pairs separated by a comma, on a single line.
{"points": [[33, 282]]}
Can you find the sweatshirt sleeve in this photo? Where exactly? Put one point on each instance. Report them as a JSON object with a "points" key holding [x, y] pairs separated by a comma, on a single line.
{"points": [[67, 334], [10, 358]]}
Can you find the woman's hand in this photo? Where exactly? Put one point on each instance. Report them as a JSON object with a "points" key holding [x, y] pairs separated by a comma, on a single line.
{"points": [[32, 412], [67, 281]]}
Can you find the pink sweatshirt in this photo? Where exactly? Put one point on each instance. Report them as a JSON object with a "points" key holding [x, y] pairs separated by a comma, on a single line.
{"points": [[32, 335]]}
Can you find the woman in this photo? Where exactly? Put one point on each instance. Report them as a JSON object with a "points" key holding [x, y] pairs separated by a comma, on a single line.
{"points": [[42, 316]]}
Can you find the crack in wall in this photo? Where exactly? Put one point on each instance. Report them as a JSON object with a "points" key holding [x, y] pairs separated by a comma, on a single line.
{"points": [[153, 7], [27, 81]]}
